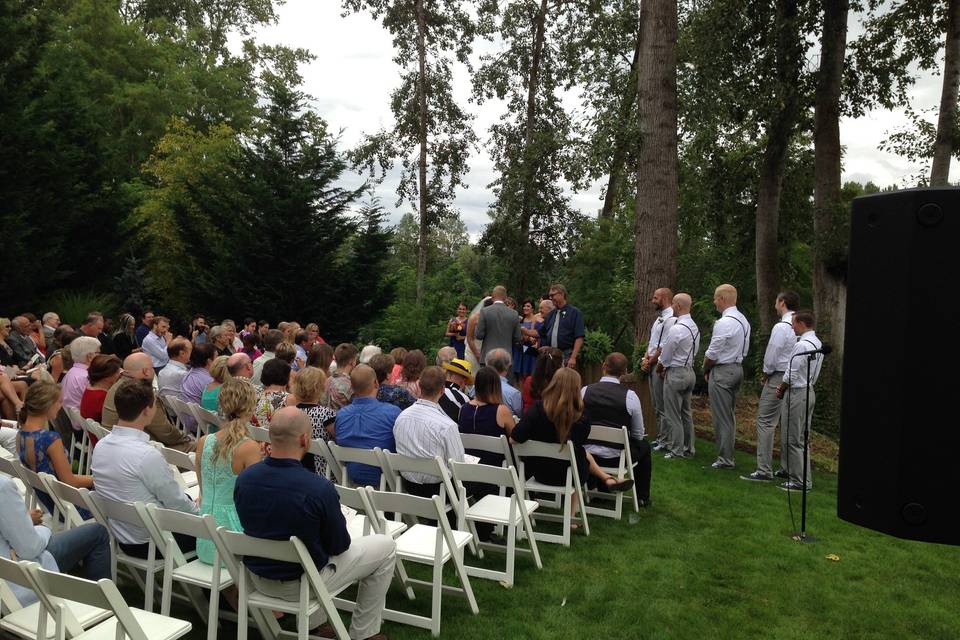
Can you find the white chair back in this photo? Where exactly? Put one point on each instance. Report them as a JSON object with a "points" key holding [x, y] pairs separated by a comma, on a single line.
{"points": [[321, 448], [371, 457], [96, 429]]}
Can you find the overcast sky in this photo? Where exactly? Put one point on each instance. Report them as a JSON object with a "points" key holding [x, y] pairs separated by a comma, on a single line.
{"points": [[353, 75]]}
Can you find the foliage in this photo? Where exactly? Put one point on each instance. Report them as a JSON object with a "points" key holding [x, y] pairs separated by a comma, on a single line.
{"points": [[132, 284], [597, 345], [73, 306]]}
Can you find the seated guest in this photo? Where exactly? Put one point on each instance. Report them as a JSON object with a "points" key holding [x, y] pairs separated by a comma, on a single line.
{"points": [[307, 395], [612, 404], [338, 385], [321, 357], [219, 373], [278, 499], [103, 372], [36, 333], [549, 360], [445, 354], [365, 423], [155, 343], [300, 340], [413, 365], [197, 378], [368, 352], [11, 396], [389, 393], [458, 377], [138, 366], [251, 346], [287, 353], [40, 449], [313, 330], [219, 337], [59, 362], [501, 360], [230, 330], [8, 441], [127, 469], [172, 375], [270, 342], [146, 321], [82, 352], [276, 380], [19, 340], [240, 366], [223, 455], [425, 431], [486, 414], [50, 323], [23, 537], [92, 326], [125, 338], [398, 355], [559, 418]]}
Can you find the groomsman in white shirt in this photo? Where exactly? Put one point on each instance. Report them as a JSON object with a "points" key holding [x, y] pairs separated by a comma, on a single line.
{"points": [[662, 301], [801, 370], [722, 367], [775, 359], [675, 366]]}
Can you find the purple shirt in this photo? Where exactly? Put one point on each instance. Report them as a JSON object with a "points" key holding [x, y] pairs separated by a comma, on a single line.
{"points": [[74, 383], [191, 390]]}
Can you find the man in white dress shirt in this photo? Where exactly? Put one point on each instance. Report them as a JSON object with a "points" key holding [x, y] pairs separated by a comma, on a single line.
{"points": [[722, 367], [172, 375], [800, 370], [675, 366], [155, 343], [126, 468], [775, 359], [662, 301]]}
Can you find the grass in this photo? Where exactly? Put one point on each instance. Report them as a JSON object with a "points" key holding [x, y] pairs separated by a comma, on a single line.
{"points": [[712, 558]]}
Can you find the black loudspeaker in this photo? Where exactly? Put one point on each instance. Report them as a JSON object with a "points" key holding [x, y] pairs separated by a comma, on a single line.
{"points": [[899, 436]]}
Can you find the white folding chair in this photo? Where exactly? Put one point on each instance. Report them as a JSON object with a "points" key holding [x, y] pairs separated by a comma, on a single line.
{"points": [[184, 463], [490, 444], [429, 545], [193, 572], [34, 621], [205, 419], [80, 442], [11, 467], [68, 498], [33, 481], [511, 512], [618, 438], [182, 412], [126, 622], [372, 457], [395, 464], [563, 494], [321, 448], [314, 595], [98, 430]]}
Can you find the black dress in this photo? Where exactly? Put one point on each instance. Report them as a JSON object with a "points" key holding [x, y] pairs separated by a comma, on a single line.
{"points": [[123, 344], [481, 420], [536, 426]]}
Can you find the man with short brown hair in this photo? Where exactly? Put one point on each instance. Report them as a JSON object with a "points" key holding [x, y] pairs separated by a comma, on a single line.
{"points": [[339, 390]]}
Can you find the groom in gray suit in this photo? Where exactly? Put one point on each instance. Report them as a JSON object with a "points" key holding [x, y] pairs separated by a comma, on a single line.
{"points": [[498, 325]]}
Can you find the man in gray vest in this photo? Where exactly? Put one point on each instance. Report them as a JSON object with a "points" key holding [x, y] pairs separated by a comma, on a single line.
{"points": [[662, 301], [723, 369], [775, 360], [612, 404], [498, 325], [675, 366]]}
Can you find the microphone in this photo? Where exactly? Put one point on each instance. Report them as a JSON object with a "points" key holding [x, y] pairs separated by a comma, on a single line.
{"points": [[825, 350]]}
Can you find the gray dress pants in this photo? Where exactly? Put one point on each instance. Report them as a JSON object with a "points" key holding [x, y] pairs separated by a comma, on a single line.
{"points": [[723, 385], [768, 415], [796, 408], [656, 397], [678, 417]]}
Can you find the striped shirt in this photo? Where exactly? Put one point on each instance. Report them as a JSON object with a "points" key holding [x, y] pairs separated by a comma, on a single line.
{"points": [[425, 431]]}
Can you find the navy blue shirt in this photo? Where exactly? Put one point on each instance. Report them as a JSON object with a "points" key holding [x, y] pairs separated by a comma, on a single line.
{"points": [[366, 423], [571, 327], [279, 498]]}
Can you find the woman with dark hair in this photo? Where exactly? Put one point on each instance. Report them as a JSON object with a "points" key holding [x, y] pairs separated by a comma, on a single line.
{"points": [[486, 414], [125, 338], [103, 371], [60, 361], [413, 365], [549, 360], [559, 417], [457, 329], [320, 356], [525, 354], [251, 342], [276, 380]]}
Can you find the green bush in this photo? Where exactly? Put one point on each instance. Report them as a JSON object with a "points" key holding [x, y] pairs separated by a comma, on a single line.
{"points": [[73, 306], [597, 345]]}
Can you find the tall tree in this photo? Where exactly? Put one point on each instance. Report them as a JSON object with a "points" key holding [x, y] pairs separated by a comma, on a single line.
{"points": [[655, 262], [946, 140], [432, 135]]}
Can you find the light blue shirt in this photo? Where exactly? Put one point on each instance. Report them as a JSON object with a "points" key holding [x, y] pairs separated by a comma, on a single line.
{"points": [[511, 397], [18, 534], [156, 347], [126, 468]]}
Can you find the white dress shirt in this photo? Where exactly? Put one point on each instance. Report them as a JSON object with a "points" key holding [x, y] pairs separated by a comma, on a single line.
{"points": [[423, 430], [155, 347], [126, 468], [796, 371], [731, 338], [264, 358], [659, 329], [681, 344], [782, 341], [636, 421], [19, 535], [171, 378]]}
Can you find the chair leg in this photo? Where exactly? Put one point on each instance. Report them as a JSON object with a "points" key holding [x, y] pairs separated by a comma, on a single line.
{"points": [[167, 592], [404, 579], [213, 614], [242, 621], [437, 594], [567, 517], [464, 581], [511, 552]]}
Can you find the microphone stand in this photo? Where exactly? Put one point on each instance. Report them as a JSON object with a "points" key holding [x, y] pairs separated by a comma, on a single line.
{"points": [[803, 537]]}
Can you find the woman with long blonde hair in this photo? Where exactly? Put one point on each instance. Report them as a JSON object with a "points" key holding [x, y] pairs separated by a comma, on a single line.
{"points": [[559, 417], [223, 455]]}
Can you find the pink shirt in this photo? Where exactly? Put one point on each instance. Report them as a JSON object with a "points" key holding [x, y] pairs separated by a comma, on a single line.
{"points": [[74, 383]]}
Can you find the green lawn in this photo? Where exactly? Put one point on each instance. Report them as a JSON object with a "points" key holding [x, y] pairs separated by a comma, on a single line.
{"points": [[713, 558]]}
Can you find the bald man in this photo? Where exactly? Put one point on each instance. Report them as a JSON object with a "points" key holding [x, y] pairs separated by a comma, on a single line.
{"points": [[662, 301], [675, 367], [723, 369], [365, 423], [240, 365], [139, 366], [498, 325], [279, 498]]}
